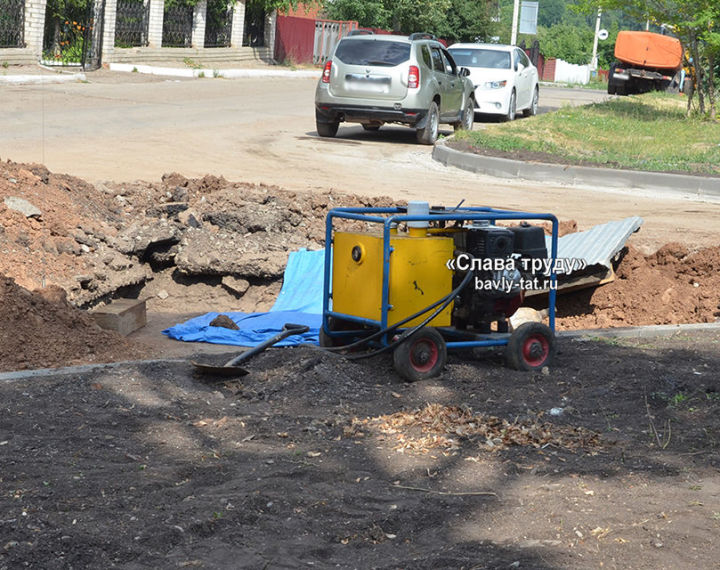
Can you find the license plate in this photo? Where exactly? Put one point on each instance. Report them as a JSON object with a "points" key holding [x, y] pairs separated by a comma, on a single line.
{"points": [[375, 84]]}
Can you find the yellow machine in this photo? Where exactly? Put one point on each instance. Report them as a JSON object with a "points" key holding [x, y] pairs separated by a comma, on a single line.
{"points": [[422, 280], [418, 276]]}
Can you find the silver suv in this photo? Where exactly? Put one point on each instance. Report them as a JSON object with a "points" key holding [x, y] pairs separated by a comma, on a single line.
{"points": [[376, 79]]}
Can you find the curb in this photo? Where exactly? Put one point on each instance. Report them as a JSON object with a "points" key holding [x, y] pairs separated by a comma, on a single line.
{"points": [[57, 78], [47, 372], [700, 188], [212, 73], [650, 331]]}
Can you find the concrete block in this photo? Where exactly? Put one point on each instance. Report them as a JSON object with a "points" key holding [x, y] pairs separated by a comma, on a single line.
{"points": [[122, 315]]}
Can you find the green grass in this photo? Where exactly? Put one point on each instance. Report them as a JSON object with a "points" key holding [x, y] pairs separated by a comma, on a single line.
{"points": [[643, 132]]}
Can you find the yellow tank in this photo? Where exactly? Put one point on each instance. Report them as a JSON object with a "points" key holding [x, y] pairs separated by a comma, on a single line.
{"points": [[419, 276]]}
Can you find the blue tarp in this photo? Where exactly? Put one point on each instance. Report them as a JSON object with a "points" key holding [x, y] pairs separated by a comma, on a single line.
{"points": [[254, 328], [299, 302], [302, 288]]}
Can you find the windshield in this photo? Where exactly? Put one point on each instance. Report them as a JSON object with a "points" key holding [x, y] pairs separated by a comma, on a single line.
{"points": [[372, 52], [472, 57]]}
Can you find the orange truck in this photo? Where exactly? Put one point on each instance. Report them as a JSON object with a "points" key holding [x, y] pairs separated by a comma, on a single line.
{"points": [[645, 62]]}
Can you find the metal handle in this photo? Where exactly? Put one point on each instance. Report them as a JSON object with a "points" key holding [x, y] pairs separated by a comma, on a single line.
{"points": [[288, 329]]}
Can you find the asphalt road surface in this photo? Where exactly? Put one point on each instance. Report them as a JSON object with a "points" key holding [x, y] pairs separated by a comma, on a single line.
{"points": [[126, 127]]}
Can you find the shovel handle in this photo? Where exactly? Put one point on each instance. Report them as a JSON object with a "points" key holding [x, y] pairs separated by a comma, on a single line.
{"points": [[288, 329]]}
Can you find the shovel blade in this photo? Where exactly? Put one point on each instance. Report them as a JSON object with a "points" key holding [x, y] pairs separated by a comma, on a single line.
{"points": [[224, 371]]}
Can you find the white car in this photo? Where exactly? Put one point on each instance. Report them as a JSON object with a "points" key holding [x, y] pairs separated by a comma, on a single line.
{"points": [[505, 80]]}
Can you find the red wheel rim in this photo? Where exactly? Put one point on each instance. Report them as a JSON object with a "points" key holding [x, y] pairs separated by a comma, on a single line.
{"points": [[535, 350], [424, 355]]}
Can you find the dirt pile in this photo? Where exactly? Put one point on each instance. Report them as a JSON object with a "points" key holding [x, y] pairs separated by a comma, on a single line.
{"points": [[42, 330], [109, 240], [671, 286]]}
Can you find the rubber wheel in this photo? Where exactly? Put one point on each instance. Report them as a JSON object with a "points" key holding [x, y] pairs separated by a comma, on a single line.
{"points": [[533, 109], [371, 128], [511, 108], [327, 129], [467, 118], [531, 347], [421, 356], [429, 134]]}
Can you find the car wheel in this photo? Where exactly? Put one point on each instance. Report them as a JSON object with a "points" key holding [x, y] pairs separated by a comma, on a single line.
{"points": [[327, 129], [429, 134], [371, 128], [510, 116], [533, 109], [467, 117]]}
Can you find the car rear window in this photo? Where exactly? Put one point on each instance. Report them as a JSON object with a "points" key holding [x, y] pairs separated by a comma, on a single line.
{"points": [[491, 58], [372, 52]]}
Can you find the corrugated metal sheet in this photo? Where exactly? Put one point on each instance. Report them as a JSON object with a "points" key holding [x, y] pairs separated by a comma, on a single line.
{"points": [[599, 244]]}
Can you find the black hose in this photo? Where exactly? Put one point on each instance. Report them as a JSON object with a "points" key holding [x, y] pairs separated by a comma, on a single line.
{"points": [[398, 324], [409, 332]]}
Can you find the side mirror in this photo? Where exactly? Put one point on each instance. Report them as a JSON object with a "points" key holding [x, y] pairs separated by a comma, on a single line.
{"points": [[464, 72]]}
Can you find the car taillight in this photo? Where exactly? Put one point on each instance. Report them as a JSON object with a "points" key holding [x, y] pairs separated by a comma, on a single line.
{"points": [[414, 77], [326, 71]]}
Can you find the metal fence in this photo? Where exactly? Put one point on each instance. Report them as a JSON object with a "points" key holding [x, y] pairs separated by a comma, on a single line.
{"points": [[12, 22], [131, 23], [218, 26], [254, 31], [327, 34], [177, 26], [65, 35]]}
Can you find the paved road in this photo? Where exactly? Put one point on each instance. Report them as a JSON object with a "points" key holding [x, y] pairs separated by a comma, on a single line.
{"points": [[126, 127]]}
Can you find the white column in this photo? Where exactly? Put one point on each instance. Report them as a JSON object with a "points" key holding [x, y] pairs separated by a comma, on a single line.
{"points": [[34, 25], [238, 24], [108, 39], [199, 23], [155, 28]]}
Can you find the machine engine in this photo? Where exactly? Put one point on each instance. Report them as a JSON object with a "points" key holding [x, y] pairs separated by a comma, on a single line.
{"points": [[500, 258]]}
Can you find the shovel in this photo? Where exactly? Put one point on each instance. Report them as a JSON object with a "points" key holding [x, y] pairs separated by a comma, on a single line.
{"points": [[230, 368]]}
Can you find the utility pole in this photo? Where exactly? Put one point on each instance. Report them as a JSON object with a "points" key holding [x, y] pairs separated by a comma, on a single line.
{"points": [[516, 15], [594, 61]]}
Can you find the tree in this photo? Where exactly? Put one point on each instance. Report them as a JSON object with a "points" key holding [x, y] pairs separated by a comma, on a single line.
{"points": [[551, 12], [455, 20], [570, 43], [369, 14], [468, 20]]}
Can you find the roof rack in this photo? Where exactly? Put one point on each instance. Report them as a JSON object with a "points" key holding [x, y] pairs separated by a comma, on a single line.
{"points": [[421, 36], [361, 32]]}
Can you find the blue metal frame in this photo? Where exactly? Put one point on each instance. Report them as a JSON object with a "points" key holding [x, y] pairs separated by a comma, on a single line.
{"points": [[391, 216]]}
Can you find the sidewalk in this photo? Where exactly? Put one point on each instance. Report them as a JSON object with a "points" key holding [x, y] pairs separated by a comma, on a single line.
{"points": [[29, 74], [32, 74]]}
